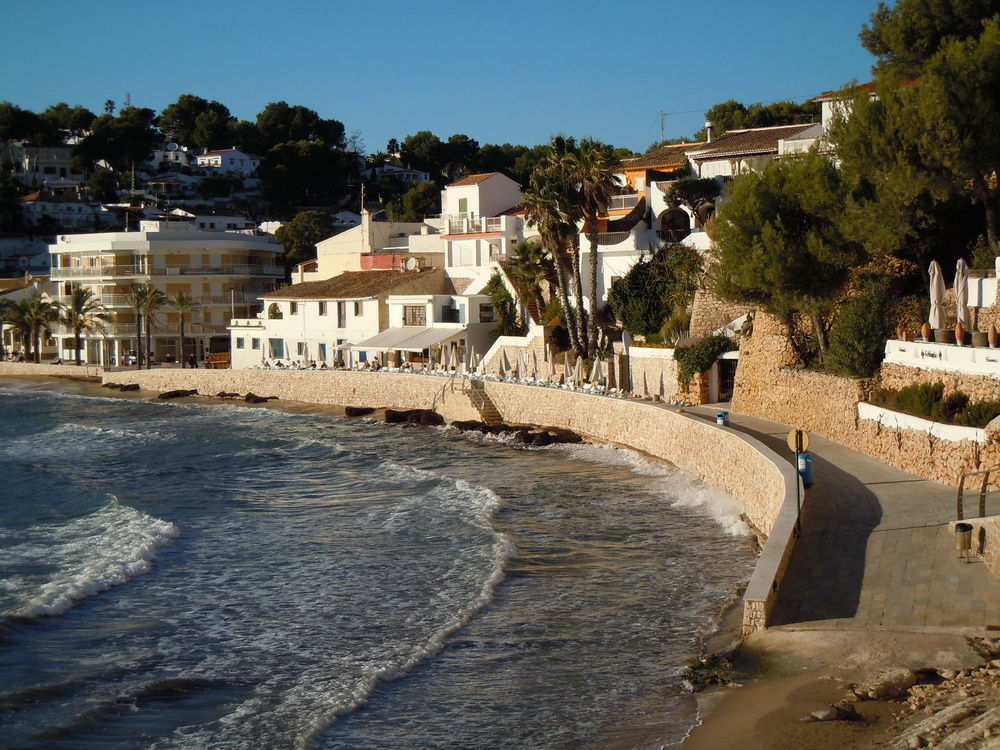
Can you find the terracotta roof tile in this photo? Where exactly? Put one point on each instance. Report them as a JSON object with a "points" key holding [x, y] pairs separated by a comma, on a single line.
{"points": [[351, 285], [755, 141], [667, 156], [472, 179]]}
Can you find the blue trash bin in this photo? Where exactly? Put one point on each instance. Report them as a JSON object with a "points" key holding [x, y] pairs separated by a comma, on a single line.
{"points": [[805, 466], [722, 418]]}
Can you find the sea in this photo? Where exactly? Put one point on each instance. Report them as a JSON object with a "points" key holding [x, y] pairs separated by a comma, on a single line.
{"points": [[211, 575]]}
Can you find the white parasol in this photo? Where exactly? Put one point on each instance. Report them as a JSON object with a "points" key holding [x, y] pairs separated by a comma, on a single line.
{"points": [[937, 317], [962, 294]]}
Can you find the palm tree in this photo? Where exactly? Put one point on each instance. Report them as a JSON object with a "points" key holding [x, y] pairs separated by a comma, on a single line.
{"points": [[144, 301], [83, 312], [14, 315], [183, 303], [542, 201], [528, 270], [153, 300], [40, 311], [134, 298], [595, 166]]}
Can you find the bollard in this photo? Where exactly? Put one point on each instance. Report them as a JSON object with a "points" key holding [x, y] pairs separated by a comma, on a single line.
{"points": [[963, 539], [805, 465]]}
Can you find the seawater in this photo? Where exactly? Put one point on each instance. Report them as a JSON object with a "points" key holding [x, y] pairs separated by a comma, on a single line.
{"points": [[214, 576]]}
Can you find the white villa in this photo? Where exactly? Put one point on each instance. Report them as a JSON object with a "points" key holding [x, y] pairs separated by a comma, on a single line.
{"points": [[396, 291]]}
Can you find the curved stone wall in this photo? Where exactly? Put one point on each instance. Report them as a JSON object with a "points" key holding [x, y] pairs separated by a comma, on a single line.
{"points": [[719, 456]]}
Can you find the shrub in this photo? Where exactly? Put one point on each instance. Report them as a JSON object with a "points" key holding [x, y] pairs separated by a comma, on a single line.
{"points": [[700, 356], [928, 401], [857, 341]]}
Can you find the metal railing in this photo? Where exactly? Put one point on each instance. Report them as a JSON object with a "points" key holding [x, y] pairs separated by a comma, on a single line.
{"points": [[985, 474], [117, 271]]}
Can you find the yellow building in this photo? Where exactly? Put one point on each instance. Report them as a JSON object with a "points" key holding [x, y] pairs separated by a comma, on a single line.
{"points": [[225, 273]]}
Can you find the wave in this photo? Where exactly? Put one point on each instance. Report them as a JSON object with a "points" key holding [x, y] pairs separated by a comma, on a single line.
{"points": [[89, 555], [685, 490]]}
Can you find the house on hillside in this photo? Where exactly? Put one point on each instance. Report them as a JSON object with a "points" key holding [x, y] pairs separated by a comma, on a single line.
{"points": [[64, 212], [50, 167], [229, 161], [739, 151], [14, 290]]}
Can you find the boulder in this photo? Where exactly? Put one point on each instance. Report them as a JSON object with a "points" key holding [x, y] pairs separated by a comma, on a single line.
{"points": [[179, 393], [425, 417], [888, 684], [358, 411], [394, 416]]}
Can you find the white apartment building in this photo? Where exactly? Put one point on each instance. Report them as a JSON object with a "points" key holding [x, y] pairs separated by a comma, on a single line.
{"points": [[225, 272]]}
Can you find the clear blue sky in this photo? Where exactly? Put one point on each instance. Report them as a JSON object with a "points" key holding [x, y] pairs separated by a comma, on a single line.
{"points": [[498, 72]]}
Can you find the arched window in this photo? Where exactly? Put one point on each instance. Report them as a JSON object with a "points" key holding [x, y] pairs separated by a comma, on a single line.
{"points": [[274, 312]]}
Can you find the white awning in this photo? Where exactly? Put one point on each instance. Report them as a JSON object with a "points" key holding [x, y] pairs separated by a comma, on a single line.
{"points": [[388, 339], [407, 339], [427, 338]]}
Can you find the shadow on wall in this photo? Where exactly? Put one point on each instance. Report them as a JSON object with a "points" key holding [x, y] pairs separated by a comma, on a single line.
{"points": [[827, 566]]}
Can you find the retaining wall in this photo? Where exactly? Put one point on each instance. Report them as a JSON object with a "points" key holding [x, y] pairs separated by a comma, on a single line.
{"points": [[719, 456]]}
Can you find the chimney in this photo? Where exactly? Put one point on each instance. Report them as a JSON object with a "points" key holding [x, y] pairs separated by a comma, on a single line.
{"points": [[709, 130]]}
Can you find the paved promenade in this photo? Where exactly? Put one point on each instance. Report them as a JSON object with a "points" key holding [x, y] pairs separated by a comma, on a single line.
{"points": [[876, 550]]}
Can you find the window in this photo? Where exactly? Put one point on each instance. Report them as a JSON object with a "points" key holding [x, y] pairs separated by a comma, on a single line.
{"points": [[277, 347], [274, 311], [240, 344], [255, 344], [322, 352], [359, 309], [341, 314], [322, 308], [415, 315], [293, 308], [486, 314], [300, 348], [463, 205]]}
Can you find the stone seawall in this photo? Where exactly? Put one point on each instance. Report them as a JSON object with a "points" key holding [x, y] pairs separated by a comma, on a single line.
{"points": [[719, 456]]}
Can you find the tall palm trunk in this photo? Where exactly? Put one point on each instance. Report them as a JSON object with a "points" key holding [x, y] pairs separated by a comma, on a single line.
{"points": [[569, 322], [592, 328], [138, 341], [581, 319]]}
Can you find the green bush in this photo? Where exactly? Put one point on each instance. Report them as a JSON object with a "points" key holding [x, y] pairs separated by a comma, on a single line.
{"points": [[920, 400], [700, 356], [979, 414], [928, 401], [863, 325]]}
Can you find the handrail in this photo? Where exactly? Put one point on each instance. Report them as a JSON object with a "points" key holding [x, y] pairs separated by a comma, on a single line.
{"points": [[982, 491], [441, 390]]}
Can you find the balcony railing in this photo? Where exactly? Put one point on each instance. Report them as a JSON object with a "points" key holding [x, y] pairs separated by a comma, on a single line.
{"points": [[116, 271], [114, 301], [478, 225], [623, 202]]}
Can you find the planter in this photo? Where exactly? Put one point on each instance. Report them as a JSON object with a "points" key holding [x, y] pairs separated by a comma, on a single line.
{"points": [[980, 338], [944, 336]]}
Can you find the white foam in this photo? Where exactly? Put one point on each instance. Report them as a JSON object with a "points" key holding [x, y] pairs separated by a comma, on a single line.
{"points": [[685, 491], [91, 554]]}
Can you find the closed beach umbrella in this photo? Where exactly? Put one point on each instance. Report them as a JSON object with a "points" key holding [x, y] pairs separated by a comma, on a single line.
{"points": [[443, 359], [551, 364], [452, 358], [595, 372], [937, 318], [962, 294], [471, 361], [578, 372], [567, 368], [504, 363]]}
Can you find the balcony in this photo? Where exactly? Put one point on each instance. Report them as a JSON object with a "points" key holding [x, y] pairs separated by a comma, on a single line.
{"points": [[117, 301], [99, 272], [468, 224], [623, 202], [124, 272]]}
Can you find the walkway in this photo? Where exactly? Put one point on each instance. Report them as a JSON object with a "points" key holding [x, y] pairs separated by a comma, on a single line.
{"points": [[875, 550]]}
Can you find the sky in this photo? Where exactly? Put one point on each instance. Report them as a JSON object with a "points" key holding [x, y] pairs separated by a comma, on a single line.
{"points": [[515, 72]]}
